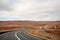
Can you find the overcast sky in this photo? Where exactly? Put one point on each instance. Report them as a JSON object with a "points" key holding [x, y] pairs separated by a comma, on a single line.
{"points": [[34, 10]]}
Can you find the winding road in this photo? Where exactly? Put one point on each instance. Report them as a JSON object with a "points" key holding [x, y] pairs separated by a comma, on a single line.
{"points": [[17, 35]]}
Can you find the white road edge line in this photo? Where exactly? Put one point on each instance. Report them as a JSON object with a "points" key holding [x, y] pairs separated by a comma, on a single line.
{"points": [[17, 36]]}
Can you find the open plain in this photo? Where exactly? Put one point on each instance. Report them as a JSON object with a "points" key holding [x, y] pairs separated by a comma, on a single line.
{"points": [[48, 30]]}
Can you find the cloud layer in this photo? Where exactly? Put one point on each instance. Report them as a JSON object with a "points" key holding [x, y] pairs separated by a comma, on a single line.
{"points": [[34, 10]]}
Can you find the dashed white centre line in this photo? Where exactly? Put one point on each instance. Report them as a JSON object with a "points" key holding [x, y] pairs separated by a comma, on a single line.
{"points": [[17, 36]]}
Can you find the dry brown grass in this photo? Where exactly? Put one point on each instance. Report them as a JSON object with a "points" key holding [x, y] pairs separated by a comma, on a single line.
{"points": [[10, 28], [36, 28], [43, 35]]}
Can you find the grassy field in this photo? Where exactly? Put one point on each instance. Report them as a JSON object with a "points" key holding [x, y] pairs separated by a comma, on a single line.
{"points": [[49, 30]]}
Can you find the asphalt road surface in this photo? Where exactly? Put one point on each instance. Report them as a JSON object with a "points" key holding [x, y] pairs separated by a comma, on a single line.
{"points": [[17, 35]]}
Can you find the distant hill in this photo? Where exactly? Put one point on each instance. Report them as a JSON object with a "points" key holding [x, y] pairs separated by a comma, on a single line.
{"points": [[26, 24]]}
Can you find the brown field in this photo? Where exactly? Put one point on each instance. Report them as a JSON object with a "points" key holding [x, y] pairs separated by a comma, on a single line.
{"points": [[49, 30]]}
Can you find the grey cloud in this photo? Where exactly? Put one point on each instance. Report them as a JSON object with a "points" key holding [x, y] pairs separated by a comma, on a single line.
{"points": [[6, 4], [28, 10]]}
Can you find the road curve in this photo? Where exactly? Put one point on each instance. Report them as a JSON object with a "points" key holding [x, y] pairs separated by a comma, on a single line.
{"points": [[17, 35]]}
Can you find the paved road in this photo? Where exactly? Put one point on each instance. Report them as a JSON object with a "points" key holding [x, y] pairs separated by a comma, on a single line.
{"points": [[17, 35]]}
